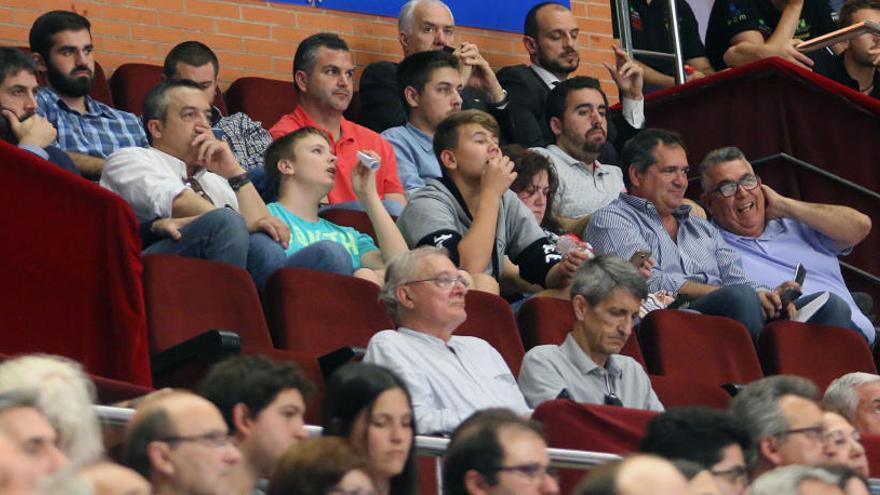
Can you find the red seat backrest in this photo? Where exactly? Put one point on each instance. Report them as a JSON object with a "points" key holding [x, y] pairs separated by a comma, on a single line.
{"points": [[130, 84], [710, 349], [490, 318], [820, 353], [320, 312], [678, 392], [871, 443], [264, 100], [187, 296], [547, 320]]}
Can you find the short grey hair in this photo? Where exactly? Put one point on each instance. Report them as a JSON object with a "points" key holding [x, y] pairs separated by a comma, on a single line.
{"points": [[787, 480], [841, 396], [403, 268], [716, 157], [757, 404], [65, 395], [406, 17], [597, 278]]}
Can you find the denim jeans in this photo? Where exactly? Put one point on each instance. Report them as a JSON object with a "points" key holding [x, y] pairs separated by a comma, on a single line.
{"points": [[323, 256], [218, 235], [738, 302]]}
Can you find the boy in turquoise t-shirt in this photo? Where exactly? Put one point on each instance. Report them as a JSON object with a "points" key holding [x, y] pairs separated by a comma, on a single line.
{"points": [[303, 166]]}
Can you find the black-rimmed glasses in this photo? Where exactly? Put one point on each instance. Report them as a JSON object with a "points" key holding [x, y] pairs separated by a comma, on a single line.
{"points": [[533, 471]]}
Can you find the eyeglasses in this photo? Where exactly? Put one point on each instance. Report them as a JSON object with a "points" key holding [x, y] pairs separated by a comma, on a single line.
{"points": [[443, 281], [735, 474], [728, 188], [839, 439], [533, 471], [212, 439], [813, 433]]}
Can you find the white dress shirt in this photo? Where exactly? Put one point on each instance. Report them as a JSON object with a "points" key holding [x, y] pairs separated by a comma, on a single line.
{"points": [[447, 381]]}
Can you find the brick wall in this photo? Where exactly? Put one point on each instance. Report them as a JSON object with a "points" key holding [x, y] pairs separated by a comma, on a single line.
{"points": [[259, 38]]}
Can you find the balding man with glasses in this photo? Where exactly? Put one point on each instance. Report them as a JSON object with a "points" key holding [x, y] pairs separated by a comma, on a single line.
{"points": [[772, 234], [181, 444], [449, 377]]}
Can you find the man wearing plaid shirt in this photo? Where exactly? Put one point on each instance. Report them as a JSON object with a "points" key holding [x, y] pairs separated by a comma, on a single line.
{"points": [[88, 130]]}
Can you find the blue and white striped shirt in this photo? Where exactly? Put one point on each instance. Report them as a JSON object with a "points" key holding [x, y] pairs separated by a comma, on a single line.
{"points": [[699, 254], [98, 132]]}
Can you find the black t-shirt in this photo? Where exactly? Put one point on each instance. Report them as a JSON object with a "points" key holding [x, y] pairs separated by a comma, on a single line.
{"points": [[832, 67], [731, 17], [650, 31]]}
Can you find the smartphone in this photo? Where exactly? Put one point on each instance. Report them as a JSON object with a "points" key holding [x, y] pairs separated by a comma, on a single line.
{"points": [[800, 273]]}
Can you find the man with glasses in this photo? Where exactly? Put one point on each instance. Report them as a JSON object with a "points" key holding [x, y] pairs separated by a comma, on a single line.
{"points": [[772, 234], [783, 420], [587, 367], [180, 443], [448, 377], [494, 453], [714, 439]]}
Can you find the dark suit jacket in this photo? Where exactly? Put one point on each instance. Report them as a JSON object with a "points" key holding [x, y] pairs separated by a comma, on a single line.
{"points": [[382, 107]]}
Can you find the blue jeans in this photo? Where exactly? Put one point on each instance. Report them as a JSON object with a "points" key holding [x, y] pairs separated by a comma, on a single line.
{"points": [[218, 235], [835, 312], [738, 302], [323, 256]]}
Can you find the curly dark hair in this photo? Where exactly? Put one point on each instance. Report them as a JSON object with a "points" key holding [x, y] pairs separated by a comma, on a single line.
{"points": [[528, 164]]}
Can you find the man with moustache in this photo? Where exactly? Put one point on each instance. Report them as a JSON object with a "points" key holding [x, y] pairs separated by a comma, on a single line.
{"points": [[550, 36], [425, 25], [88, 130], [772, 234], [577, 109], [20, 124]]}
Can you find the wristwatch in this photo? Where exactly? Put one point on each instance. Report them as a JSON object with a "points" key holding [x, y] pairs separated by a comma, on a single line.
{"points": [[239, 181]]}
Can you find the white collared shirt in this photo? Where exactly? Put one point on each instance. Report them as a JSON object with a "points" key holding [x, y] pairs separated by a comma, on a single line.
{"points": [[583, 188], [448, 381]]}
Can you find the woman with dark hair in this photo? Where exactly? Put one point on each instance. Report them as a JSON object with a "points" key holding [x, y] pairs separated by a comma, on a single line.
{"points": [[371, 407], [321, 466], [535, 185]]}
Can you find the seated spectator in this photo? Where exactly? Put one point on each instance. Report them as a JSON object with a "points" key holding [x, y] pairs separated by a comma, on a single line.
{"points": [[783, 420], [842, 443], [20, 125], [635, 475], [699, 479], [856, 396], [429, 84], [550, 37], [471, 212], [96, 478], [28, 451], [856, 66], [576, 111], [587, 367], [742, 31], [88, 130], [370, 407], [65, 396], [428, 25], [323, 76], [497, 452], [263, 403], [179, 442], [694, 261], [303, 165], [649, 30], [772, 234], [190, 176], [321, 466], [194, 61], [449, 377], [713, 439], [796, 480]]}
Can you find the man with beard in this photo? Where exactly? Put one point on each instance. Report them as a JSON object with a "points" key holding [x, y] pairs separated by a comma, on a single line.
{"points": [[429, 83], [550, 36], [88, 130], [856, 67], [20, 124], [577, 109], [323, 77]]}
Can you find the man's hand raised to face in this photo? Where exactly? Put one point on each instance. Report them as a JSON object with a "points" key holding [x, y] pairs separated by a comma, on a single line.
{"points": [[34, 130], [215, 155], [497, 176]]}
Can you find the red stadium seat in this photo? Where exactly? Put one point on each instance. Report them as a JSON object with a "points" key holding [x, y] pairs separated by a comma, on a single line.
{"points": [[678, 392], [547, 320], [711, 349], [130, 84], [597, 428], [489, 317], [264, 100], [871, 443], [320, 312], [357, 220], [817, 352], [186, 297]]}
